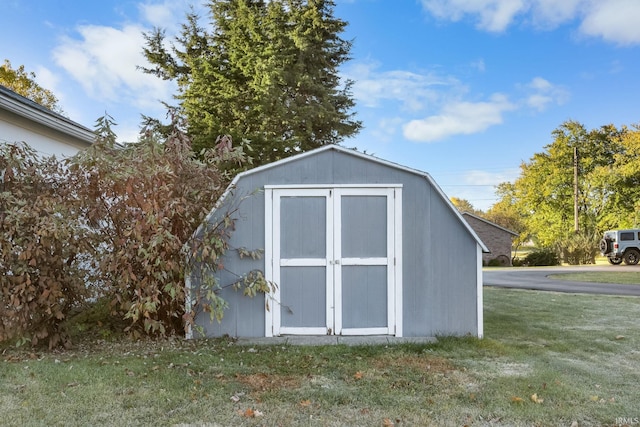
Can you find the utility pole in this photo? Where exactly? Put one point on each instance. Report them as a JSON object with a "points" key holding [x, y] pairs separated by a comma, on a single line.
{"points": [[576, 227]]}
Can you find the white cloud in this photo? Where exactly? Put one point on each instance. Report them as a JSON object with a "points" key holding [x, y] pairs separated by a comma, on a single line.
{"points": [[477, 186], [493, 15], [169, 14], [479, 65], [47, 79], [542, 93], [549, 14], [483, 177], [412, 90], [459, 118], [442, 101], [386, 129], [103, 61], [158, 15], [613, 20]]}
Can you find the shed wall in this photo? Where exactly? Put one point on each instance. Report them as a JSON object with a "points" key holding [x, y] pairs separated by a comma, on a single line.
{"points": [[439, 254]]}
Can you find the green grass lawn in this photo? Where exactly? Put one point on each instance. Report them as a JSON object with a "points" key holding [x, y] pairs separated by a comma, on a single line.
{"points": [[547, 359], [621, 277]]}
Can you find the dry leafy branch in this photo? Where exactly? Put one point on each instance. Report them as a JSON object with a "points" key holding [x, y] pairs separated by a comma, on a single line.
{"points": [[42, 246]]}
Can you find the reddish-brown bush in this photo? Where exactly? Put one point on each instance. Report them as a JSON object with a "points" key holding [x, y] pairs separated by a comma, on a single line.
{"points": [[43, 264]]}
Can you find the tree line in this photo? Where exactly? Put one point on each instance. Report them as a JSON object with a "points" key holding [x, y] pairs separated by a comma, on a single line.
{"points": [[591, 176]]}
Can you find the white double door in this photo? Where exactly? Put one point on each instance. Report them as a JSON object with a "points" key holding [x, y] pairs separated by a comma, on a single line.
{"points": [[335, 255]]}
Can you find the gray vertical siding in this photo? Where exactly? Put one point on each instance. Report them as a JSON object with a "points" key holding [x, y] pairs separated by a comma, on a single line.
{"points": [[439, 265]]}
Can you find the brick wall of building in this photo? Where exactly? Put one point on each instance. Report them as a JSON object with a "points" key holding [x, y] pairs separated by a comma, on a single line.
{"points": [[497, 239]]}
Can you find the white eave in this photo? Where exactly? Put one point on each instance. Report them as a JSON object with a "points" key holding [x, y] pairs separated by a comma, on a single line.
{"points": [[23, 107]]}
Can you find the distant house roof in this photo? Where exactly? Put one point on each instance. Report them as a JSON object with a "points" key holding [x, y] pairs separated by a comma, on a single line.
{"points": [[489, 223], [24, 107]]}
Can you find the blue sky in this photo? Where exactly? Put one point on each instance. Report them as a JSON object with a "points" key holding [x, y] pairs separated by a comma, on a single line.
{"points": [[463, 89]]}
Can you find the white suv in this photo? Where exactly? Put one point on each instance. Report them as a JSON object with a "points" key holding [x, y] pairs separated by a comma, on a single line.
{"points": [[619, 245]]}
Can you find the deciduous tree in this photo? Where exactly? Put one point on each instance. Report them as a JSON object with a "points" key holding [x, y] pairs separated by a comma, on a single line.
{"points": [[544, 194], [505, 213], [621, 201], [463, 205], [24, 83]]}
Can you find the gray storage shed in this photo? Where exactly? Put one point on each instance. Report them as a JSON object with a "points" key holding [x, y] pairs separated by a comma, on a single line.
{"points": [[356, 246]]}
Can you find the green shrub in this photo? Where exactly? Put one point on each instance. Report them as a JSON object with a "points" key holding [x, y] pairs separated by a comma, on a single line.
{"points": [[579, 249], [542, 257], [95, 319], [500, 261]]}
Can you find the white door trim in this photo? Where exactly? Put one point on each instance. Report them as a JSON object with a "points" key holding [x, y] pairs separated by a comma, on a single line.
{"points": [[334, 261], [273, 261]]}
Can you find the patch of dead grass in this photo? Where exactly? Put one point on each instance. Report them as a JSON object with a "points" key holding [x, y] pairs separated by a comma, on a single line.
{"points": [[261, 382], [423, 363]]}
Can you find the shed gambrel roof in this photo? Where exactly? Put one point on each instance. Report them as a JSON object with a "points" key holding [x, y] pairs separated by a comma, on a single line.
{"points": [[506, 230], [358, 154], [24, 107]]}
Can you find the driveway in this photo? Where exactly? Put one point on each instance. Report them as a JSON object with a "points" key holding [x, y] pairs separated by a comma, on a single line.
{"points": [[536, 278]]}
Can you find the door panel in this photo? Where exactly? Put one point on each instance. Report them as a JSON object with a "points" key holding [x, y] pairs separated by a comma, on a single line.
{"points": [[364, 296], [303, 225], [364, 287], [302, 248], [303, 298], [364, 226]]}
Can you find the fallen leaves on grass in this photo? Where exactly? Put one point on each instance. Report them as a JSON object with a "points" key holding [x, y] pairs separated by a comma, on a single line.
{"points": [[358, 375], [305, 403], [516, 399], [251, 413], [535, 399], [387, 422]]}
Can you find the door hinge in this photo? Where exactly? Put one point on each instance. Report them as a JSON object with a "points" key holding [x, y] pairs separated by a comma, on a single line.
{"points": [[329, 331]]}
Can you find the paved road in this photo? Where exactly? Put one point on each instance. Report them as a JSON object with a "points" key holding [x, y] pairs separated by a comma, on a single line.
{"points": [[536, 278]]}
